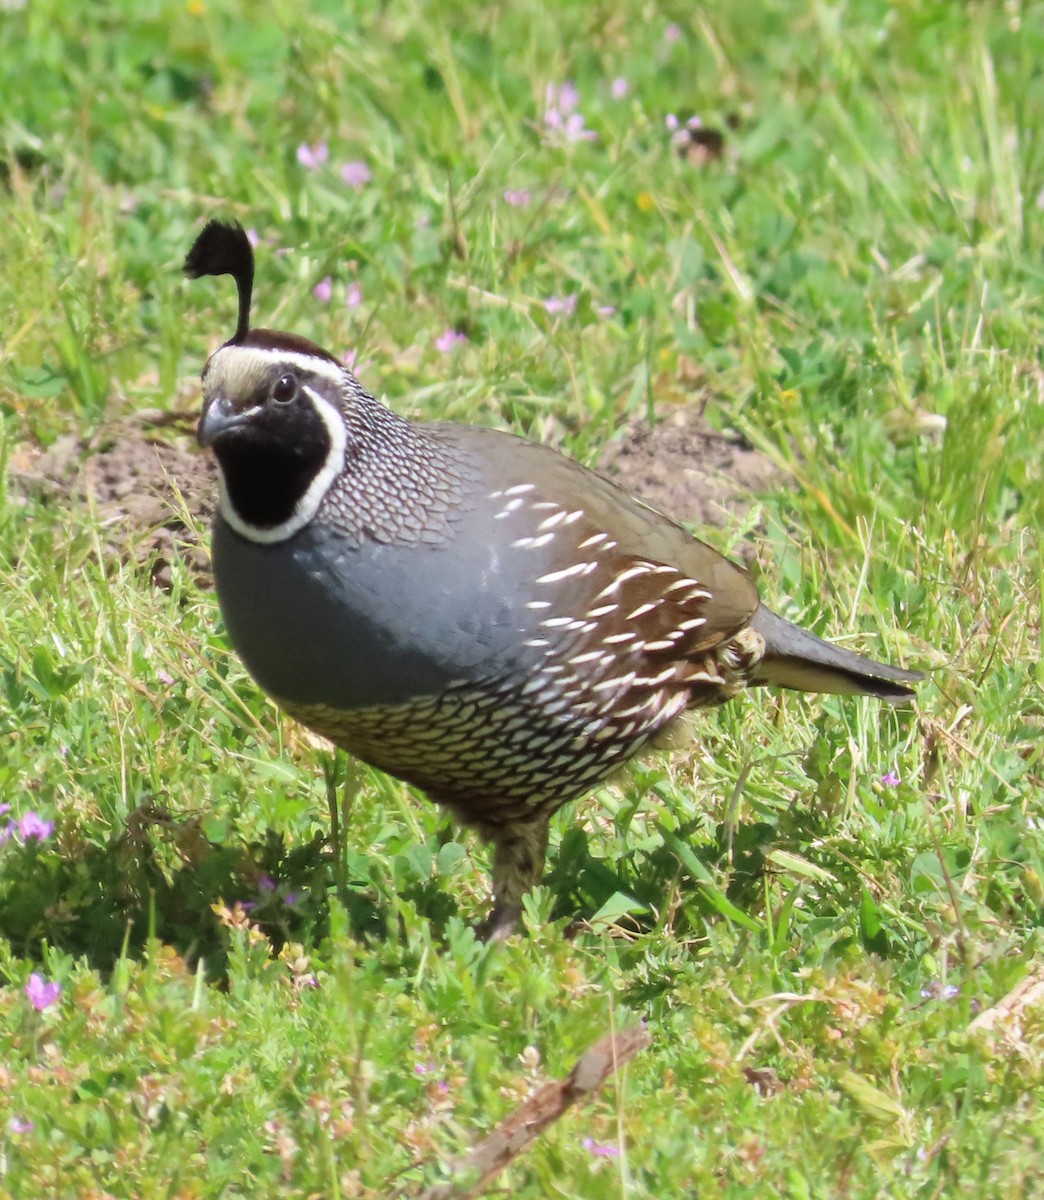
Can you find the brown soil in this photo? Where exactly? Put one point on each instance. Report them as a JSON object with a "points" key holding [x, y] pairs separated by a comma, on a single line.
{"points": [[687, 470], [152, 495]]}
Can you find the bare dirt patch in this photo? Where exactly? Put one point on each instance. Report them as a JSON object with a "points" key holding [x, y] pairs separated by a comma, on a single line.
{"points": [[151, 493], [688, 470]]}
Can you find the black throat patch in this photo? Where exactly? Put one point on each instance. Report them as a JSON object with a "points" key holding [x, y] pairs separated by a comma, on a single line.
{"points": [[270, 462]]}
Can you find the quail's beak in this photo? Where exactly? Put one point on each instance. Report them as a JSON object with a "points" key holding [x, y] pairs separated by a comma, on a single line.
{"points": [[219, 417]]}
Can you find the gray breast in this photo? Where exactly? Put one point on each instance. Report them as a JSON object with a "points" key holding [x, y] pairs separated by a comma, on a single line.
{"points": [[317, 619]]}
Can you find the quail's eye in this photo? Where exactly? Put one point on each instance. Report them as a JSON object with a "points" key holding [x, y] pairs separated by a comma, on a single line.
{"points": [[285, 389]]}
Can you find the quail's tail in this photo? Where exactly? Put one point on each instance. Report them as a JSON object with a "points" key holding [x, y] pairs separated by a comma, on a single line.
{"points": [[795, 658]]}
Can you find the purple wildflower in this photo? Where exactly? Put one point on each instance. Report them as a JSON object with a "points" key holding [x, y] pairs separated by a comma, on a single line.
{"points": [[32, 825], [619, 88], [450, 340], [681, 136], [572, 129], [568, 97], [561, 305], [4, 808], [266, 884], [253, 237], [354, 296], [934, 990], [890, 779], [356, 174], [349, 358], [672, 33], [605, 310], [518, 197], [165, 678], [17, 1125], [563, 96], [323, 290], [290, 899], [312, 157], [601, 1149], [562, 123], [671, 121], [41, 993]]}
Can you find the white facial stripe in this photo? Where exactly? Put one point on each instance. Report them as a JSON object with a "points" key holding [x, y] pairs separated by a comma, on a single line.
{"points": [[255, 359], [308, 505]]}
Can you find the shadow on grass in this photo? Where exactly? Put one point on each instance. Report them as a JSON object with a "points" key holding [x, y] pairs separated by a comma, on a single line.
{"points": [[584, 885], [162, 878]]}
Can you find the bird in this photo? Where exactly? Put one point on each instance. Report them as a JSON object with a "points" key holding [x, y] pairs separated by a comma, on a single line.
{"points": [[464, 609]]}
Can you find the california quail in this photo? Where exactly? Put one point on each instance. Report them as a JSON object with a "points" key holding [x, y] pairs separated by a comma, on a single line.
{"points": [[466, 610]]}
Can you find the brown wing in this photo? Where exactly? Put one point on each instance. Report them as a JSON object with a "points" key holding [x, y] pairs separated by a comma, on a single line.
{"points": [[603, 524], [629, 618]]}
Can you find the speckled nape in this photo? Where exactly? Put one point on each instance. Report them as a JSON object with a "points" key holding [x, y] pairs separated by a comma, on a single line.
{"points": [[400, 485]]}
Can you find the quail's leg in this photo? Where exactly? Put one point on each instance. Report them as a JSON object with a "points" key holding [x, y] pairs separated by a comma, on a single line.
{"points": [[518, 863]]}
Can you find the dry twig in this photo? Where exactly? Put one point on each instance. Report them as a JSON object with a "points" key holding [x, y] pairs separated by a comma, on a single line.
{"points": [[513, 1135]]}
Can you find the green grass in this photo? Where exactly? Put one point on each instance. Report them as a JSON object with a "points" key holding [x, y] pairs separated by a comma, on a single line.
{"points": [[856, 287]]}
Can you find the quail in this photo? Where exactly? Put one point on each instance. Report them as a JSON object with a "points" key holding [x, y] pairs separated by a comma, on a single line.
{"points": [[466, 610]]}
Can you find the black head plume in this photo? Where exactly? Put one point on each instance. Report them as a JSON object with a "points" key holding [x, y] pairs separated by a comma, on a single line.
{"points": [[224, 249]]}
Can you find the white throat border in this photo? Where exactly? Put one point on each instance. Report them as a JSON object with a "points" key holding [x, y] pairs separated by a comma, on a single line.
{"points": [[308, 505]]}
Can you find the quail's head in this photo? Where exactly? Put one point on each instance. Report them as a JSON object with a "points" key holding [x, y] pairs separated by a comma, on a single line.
{"points": [[273, 407]]}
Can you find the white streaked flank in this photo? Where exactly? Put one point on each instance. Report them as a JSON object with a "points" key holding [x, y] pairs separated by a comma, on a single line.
{"points": [[566, 572], [642, 609]]}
